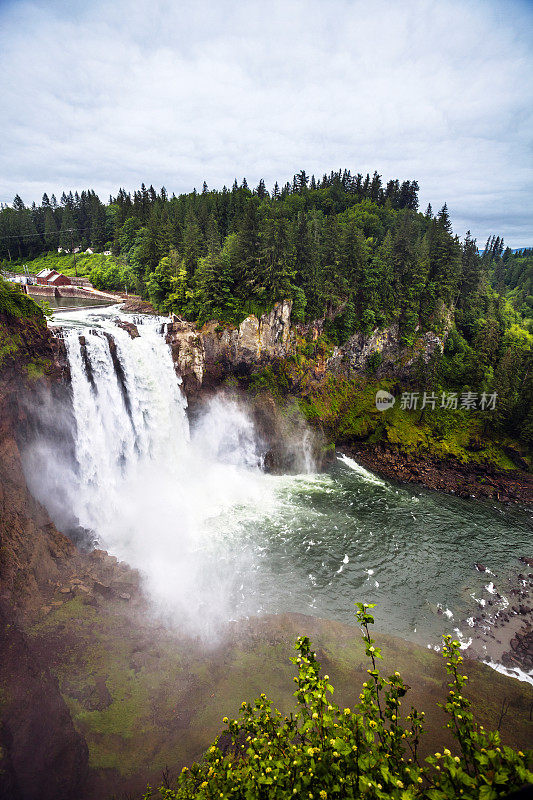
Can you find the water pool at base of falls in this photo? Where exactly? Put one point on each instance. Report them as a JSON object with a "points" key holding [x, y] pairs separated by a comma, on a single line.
{"points": [[216, 538]]}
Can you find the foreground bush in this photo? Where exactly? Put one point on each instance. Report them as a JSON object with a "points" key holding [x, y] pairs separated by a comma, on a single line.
{"points": [[370, 751]]}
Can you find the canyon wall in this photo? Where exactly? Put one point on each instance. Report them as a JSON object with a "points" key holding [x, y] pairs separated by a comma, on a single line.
{"points": [[205, 356], [42, 757]]}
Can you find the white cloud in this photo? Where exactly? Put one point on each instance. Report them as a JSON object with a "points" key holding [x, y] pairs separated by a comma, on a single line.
{"points": [[104, 95]]}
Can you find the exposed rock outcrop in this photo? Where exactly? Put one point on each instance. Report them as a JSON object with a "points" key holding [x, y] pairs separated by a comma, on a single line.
{"points": [[355, 353], [129, 327], [464, 480], [30, 546], [206, 356]]}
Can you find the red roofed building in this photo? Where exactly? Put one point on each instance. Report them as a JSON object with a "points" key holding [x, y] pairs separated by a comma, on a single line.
{"points": [[50, 277]]}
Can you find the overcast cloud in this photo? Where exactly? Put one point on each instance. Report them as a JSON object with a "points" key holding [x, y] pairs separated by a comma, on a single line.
{"points": [[109, 94]]}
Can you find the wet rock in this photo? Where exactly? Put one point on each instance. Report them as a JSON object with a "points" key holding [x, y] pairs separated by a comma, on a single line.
{"points": [[129, 327], [103, 590]]}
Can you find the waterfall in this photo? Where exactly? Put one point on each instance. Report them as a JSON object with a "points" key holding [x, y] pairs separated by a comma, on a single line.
{"points": [[171, 502], [129, 412]]}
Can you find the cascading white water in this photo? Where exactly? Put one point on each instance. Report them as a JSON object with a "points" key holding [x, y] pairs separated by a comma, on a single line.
{"points": [[119, 432], [151, 495]]}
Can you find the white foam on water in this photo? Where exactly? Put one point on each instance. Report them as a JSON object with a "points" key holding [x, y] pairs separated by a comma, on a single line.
{"points": [[363, 473], [515, 672]]}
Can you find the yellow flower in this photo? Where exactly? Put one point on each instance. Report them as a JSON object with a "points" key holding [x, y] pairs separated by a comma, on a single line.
{"points": [[203, 785], [225, 720], [212, 749], [323, 794], [315, 715], [347, 712], [399, 784], [446, 752]]}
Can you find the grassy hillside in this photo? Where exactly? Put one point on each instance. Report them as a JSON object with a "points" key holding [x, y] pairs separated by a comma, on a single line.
{"points": [[62, 262]]}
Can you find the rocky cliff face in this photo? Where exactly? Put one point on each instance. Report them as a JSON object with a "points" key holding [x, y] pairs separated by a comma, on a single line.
{"points": [[355, 353], [41, 755], [31, 548], [204, 357]]}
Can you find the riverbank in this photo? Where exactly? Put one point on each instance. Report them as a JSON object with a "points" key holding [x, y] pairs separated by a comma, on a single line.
{"points": [[500, 631], [453, 477]]}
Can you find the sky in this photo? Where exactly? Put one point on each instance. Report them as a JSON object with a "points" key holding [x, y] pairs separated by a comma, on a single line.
{"points": [[108, 94]]}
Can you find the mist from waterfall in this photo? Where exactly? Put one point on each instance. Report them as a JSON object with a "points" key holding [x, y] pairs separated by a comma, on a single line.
{"points": [[155, 494]]}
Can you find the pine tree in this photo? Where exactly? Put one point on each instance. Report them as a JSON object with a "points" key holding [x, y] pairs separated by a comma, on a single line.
{"points": [[67, 235], [261, 190], [249, 257], [192, 242], [51, 236], [277, 259]]}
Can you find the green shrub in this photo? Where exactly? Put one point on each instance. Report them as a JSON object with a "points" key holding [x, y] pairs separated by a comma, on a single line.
{"points": [[374, 362], [323, 751], [15, 303]]}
